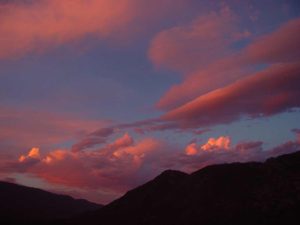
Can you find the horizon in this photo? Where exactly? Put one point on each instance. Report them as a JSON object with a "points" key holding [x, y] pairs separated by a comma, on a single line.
{"points": [[146, 182], [100, 96]]}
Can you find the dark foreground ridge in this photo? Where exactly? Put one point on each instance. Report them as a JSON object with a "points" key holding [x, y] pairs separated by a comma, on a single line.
{"points": [[24, 205], [229, 194]]}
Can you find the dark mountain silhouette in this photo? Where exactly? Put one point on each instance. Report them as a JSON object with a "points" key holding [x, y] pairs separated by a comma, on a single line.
{"points": [[251, 193], [228, 194], [25, 205]]}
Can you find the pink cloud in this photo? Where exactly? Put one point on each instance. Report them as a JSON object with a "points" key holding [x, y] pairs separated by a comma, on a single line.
{"points": [[197, 83], [282, 45], [40, 25], [116, 167], [212, 144], [144, 147], [26, 128], [125, 141], [115, 170], [274, 90], [279, 46], [29, 27], [197, 44], [241, 152]]}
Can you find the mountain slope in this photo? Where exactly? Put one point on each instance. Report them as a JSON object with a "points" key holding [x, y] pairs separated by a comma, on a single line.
{"points": [[237, 193], [23, 205]]}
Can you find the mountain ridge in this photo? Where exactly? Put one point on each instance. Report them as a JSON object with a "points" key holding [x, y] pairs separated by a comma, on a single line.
{"points": [[27, 205], [261, 193]]}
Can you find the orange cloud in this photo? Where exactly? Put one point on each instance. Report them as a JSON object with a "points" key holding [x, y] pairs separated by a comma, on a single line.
{"points": [[54, 156], [218, 150], [34, 153], [241, 152], [217, 143], [212, 144], [191, 149]]}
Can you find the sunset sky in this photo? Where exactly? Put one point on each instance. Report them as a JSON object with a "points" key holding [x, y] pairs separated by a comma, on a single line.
{"points": [[99, 96]]}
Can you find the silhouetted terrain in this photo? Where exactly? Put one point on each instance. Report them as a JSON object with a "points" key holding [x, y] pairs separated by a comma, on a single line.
{"points": [[24, 205], [229, 194], [238, 193]]}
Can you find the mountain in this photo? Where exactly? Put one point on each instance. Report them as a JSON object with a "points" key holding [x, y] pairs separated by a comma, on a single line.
{"points": [[229, 194], [25, 205], [250, 193]]}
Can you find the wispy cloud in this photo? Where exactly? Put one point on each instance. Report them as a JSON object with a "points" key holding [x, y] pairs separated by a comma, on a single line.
{"points": [[279, 46], [266, 93]]}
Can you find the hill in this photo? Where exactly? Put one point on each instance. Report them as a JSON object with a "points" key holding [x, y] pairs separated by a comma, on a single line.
{"points": [[266, 193], [25, 205], [237, 193]]}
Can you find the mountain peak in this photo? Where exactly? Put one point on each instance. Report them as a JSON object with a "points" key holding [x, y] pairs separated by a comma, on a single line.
{"points": [[265, 193], [171, 175], [235, 193]]}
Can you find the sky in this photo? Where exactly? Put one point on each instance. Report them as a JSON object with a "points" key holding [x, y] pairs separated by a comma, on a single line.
{"points": [[100, 96]]}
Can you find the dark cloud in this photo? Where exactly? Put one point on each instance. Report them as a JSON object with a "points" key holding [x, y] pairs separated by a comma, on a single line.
{"points": [[87, 142], [296, 130]]}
